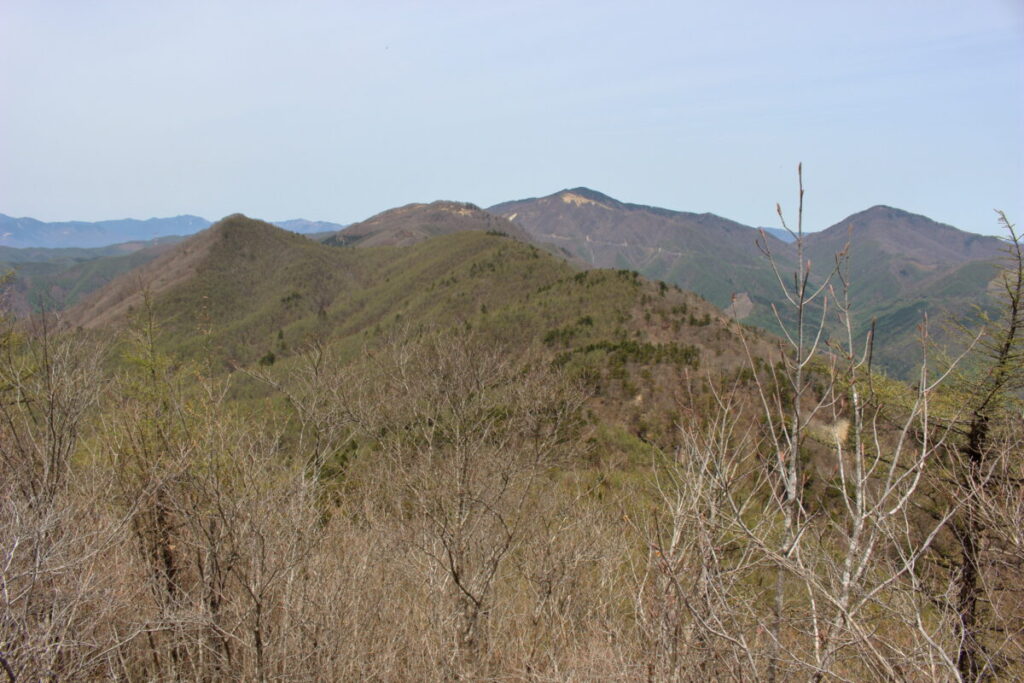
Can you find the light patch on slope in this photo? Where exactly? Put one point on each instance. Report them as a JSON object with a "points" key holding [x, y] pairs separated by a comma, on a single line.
{"points": [[571, 198], [740, 307], [829, 433], [457, 210]]}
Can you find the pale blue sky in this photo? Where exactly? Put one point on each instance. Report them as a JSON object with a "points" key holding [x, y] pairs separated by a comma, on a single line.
{"points": [[338, 110]]}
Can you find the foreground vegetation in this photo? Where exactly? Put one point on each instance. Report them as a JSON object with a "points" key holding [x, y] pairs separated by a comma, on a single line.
{"points": [[495, 498]]}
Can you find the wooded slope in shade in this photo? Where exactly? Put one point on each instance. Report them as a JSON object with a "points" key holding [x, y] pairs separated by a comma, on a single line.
{"points": [[704, 253], [902, 266]]}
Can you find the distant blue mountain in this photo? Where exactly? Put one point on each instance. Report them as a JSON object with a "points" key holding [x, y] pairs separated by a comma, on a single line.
{"points": [[781, 234], [308, 227], [29, 232]]}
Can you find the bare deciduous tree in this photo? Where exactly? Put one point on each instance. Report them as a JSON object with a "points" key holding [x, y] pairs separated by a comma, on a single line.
{"points": [[464, 436]]}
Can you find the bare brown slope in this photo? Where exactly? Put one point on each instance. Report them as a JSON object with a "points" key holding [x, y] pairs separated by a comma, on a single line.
{"points": [[125, 292], [414, 223]]}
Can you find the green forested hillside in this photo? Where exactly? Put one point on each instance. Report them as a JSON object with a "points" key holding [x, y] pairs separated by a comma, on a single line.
{"points": [[901, 265], [245, 292]]}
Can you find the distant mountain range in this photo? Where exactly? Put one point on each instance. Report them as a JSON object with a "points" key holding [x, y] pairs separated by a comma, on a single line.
{"points": [[57, 263], [901, 265], [780, 233], [28, 232]]}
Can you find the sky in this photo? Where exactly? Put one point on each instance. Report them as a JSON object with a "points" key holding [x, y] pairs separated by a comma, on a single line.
{"points": [[339, 110]]}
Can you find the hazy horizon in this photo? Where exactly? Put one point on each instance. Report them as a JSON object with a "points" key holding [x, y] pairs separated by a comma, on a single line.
{"points": [[335, 112]]}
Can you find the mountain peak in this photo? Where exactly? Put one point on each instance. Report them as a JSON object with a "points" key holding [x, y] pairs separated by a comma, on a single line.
{"points": [[240, 226], [882, 212], [908, 236], [589, 194], [586, 197], [30, 232], [234, 218], [414, 223], [236, 254], [884, 218]]}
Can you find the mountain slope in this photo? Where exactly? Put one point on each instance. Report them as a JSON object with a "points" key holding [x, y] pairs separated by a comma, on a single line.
{"points": [[56, 277], [903, 266], [236, 261], [407, 225], [710, 255], [917, 239], [894, 253], [55, 285], [244, 290]]}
